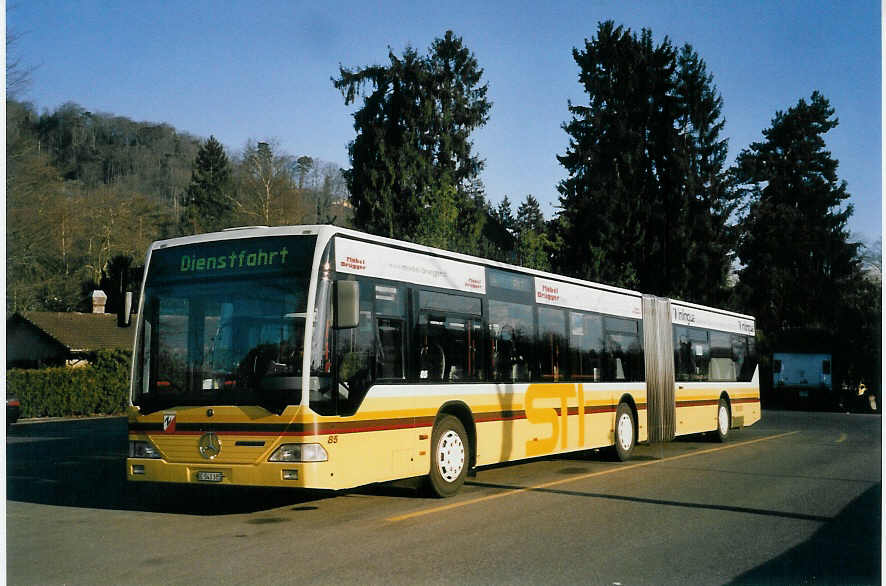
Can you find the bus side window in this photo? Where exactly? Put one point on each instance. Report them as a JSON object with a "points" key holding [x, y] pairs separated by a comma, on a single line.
{"points": [[462, 342], [390, 312], [448, 337], [739, 353], [390, 349], [723, 367], [749, 363], [586, 346], [431, 351], [682, 354], [625, 350], [552, 348], [511, 333], [701, 353], [692, 354]]}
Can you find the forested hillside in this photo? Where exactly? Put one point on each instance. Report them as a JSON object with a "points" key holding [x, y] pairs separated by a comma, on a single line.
{"points": [[85, 187]]}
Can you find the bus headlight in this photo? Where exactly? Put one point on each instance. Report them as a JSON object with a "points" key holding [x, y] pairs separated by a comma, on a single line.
{"points": [[299, 453], [143, 449]]}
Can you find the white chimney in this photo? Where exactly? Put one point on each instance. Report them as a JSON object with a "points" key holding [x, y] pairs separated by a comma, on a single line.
{"points": [[99, 299]]}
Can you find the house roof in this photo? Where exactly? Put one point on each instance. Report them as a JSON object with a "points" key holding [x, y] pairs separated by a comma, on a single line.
{"points": [[81, 332]]}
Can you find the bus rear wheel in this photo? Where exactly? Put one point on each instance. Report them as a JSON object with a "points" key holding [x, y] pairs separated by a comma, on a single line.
{"points": [[625, 434], [449, 457], [724, 421]]}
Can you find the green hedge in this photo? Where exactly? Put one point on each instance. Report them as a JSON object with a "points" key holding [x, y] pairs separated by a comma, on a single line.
{"points": [[101, 388]]}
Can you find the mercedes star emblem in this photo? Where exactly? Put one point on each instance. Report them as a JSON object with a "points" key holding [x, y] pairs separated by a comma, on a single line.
{"points": [[210, 445]]}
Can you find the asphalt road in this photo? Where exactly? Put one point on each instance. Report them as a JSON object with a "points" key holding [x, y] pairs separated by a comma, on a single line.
{"points": [[793, 499]]}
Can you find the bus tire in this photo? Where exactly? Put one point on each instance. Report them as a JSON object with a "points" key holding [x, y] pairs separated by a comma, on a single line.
{"points": [[625, 432], [449, 457], [724, 421]]}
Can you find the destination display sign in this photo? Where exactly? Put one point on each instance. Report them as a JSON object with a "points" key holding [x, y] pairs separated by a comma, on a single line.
{"points": [[573, 296], [234, 257], [372, 260], [699, 318]]}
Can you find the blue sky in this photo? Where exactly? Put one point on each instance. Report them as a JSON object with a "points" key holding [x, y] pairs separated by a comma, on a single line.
{"points": [[262, 70]]}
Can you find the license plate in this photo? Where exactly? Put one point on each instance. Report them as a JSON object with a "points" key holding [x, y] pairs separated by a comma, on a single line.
{"points": [[804, 393], [210, 476]]}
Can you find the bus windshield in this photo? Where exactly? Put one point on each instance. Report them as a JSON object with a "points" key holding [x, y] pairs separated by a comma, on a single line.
{"points": [[223, 323]]}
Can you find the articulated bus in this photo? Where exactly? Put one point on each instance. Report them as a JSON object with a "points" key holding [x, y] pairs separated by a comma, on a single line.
{"points": [[326, 358]]}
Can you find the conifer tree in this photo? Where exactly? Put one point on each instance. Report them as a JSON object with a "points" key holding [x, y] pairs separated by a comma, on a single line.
{"points": [[709, 194], [794, 247], [646, 187], [208, 202], [505, 215], [412, 154], [529, 215], [534, 247], [497, 239]]}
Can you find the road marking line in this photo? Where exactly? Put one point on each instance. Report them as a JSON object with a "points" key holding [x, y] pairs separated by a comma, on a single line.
{"points": [[544, 485], [842, 439]]}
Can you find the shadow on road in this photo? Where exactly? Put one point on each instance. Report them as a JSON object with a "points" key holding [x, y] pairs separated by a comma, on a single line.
{"points": [[846, 550], [83, 464], [656, 502]]}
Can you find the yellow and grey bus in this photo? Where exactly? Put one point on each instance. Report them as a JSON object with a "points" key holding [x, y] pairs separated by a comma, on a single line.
{"points": [[326, 358]]}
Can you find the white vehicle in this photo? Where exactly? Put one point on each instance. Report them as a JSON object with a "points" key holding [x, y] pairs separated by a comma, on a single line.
{"points": [[802, 374]]}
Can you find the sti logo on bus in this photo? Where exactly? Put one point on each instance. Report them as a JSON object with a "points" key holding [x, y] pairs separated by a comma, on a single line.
{"points": [[236, 260], [169, 422]]}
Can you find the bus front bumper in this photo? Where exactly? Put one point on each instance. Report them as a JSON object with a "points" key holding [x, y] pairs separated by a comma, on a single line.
{"points": [[317, 475]]}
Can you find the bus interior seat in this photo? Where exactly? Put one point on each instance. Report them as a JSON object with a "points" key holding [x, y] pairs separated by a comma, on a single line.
{"points": [[722, 369]]}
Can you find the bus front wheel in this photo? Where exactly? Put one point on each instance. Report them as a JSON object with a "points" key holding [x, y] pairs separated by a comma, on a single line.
{"points": [[449, 457]]}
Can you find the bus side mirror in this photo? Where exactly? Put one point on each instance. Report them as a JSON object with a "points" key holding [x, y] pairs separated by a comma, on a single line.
{"points": [[124, 312], [346, 308]]}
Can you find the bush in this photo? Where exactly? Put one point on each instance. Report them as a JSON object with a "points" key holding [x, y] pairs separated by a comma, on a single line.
{"points": [[101, 388]]}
